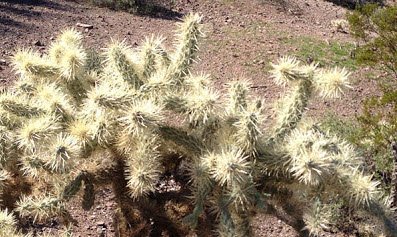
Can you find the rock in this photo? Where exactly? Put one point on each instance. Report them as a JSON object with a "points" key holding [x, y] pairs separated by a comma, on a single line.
{"points": [[87, 26], [101, 223], [3, 62]]}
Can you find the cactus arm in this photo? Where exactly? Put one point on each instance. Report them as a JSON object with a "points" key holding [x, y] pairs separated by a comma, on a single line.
{"points": [[41, 207], [116, 57], [19, 105], [29, 64], [247, 129], [292, 109], [186, 48], [143, 168], [237, 93], [150, 52], [142, 117], [192, 145], [37, 130]]}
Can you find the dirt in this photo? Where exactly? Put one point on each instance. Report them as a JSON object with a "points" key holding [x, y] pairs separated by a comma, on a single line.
{"points": [[242, 38]]}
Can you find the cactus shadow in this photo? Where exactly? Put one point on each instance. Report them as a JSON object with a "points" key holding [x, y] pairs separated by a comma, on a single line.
{"points": [[157, 11], [46, 3], [353, 4], [8, 22]]}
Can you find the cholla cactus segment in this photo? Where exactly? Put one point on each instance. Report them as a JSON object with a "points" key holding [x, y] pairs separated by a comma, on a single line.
{"points": [[201, 105], [151, 55], [29, 64], [110, 96], [36, 131], [156, 85], [116, 56], [67, 53], [6, 142], [7, 222], [188, 35], [362, 189], [197, 82], [317, 218], [247, 129], [32, 165], [332, 82], [228, 166], [345, 155], [199, 174], [291, 109], [102, 129], [70, 37], [72, 63], [316, 156], [143, 168], [40, 208], [311, 167], [53, 100], [287, 69], [19, 105], [238, 91], [4, 176], [143, 116], [56, 51], [62, 153], [9, 120], [309, 163], [80, 130], [242, 195], [308, 70]]}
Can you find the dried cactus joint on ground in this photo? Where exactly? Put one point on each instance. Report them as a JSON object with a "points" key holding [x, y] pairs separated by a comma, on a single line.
{"points": [[78, 120]]}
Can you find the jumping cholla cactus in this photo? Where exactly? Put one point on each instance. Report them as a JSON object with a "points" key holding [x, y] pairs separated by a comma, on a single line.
{"points": [[133, 118]]}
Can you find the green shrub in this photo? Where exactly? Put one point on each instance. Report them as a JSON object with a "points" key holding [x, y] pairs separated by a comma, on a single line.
{"points": [[142, 118], [376, 28]]}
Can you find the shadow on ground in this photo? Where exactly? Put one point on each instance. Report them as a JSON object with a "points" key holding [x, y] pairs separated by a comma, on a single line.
{"points": [[352, 4], [150, 8]]}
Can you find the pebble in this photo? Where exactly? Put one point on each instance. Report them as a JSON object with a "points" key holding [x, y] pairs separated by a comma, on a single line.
{"points": [[87, 26], [100, 223]]}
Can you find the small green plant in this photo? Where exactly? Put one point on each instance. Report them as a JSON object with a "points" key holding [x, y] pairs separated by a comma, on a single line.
{"points": [[376, 29], [376, 26], [141, 117], [332, 53]]}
